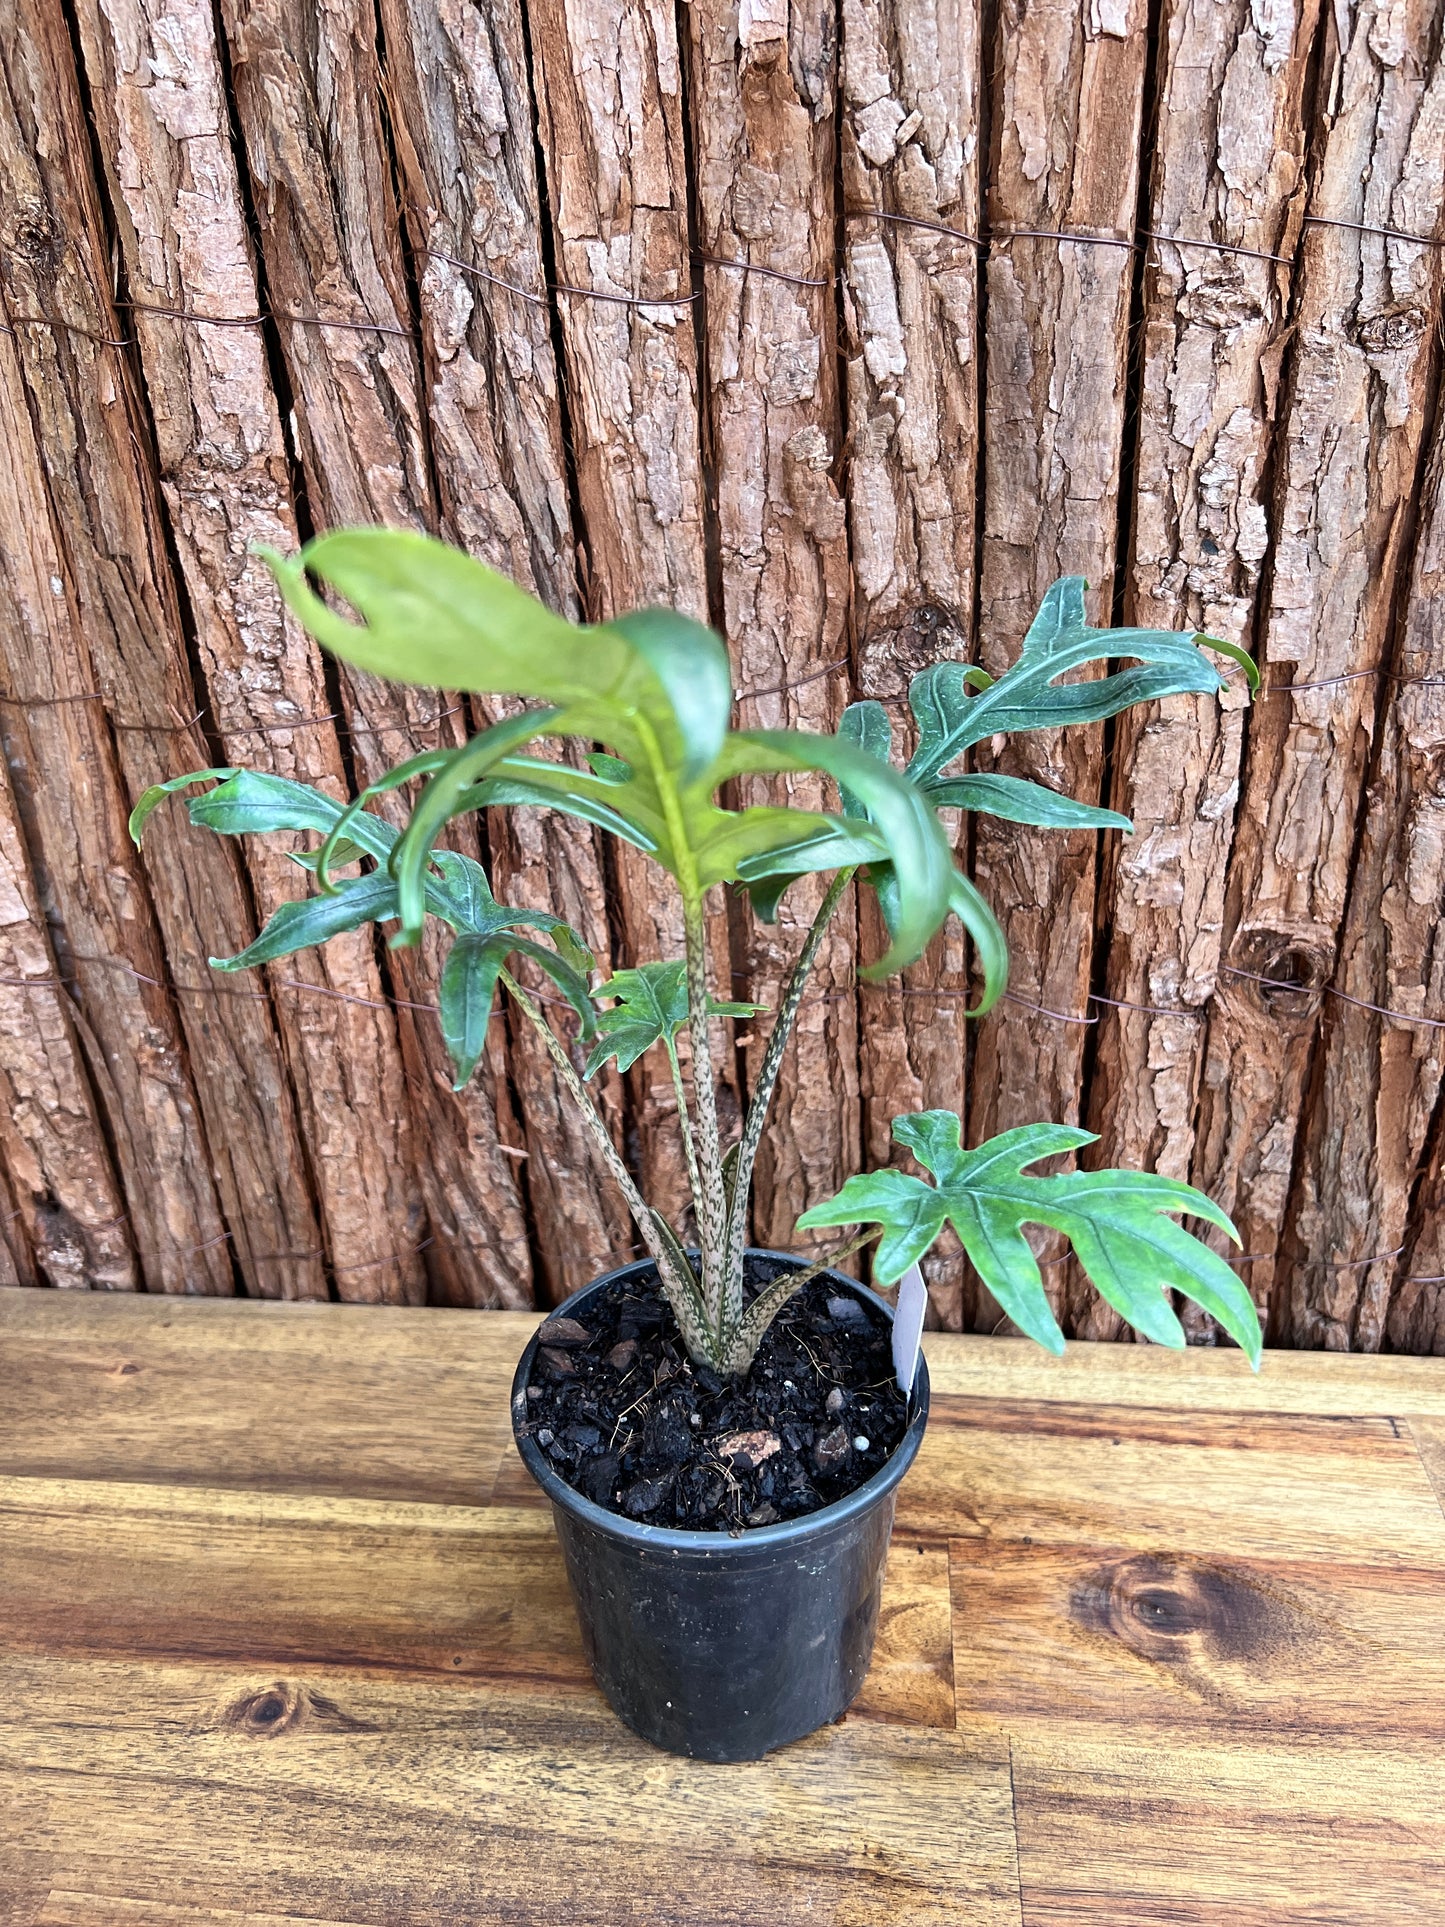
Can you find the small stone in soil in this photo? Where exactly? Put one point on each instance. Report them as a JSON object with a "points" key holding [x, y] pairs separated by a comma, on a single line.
{"points": [[555, 1364], [833, 1403], [748, 1449], [860, 1444], [846, 1311], [831, 1450], [623, 1355]]}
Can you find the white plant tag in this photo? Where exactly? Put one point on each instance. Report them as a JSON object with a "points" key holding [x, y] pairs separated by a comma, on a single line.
{"points": [[908, 1326]]}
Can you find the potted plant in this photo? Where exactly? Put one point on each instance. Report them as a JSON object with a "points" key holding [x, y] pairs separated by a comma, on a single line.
{"points": [[721, 1431]]}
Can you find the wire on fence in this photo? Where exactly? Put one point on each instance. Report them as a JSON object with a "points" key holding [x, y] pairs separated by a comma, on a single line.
{"points": [[543, 296]]}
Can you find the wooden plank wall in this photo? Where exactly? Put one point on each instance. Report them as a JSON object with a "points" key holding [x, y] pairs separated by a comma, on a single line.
{"points": [[873, 317]]}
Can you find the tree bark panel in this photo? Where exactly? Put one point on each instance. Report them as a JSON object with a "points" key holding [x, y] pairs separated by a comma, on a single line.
{"points": [[308, 91], [460, 117], [1227, 168], [1067, 107], [910, 147], [158, 87], [609, 99], [68, 1206], [1348, 456], [1377, 1082], [92, 629], [763, 91]]}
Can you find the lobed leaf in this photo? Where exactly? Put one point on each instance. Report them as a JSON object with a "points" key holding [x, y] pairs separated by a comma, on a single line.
{"points": [[650, 1007], [1031, 695], [1016, 800], [1116, 1220]]}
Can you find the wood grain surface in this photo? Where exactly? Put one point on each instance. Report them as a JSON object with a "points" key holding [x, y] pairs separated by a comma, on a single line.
{"points": [[285, 1637]]}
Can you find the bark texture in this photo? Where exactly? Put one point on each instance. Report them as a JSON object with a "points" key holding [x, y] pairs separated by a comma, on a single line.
{"points": [[461, 121], [1348, 464], [309, 99], [157, 85], [910, 147], [67, 1201], [97, 635], [1227, 168], [764, 84], [609, 103], [1067, 106], [1378, 1080]]}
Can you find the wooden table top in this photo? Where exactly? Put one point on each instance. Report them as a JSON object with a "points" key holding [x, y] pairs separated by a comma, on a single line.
{"points": [[284, 1637]]}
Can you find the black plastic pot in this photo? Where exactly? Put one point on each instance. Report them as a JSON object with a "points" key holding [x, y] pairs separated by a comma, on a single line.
{"points": [[722, 1648]]}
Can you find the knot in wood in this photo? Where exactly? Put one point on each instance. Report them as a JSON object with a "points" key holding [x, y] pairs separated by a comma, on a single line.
{"points": [[273, 1710], [1176, 1612]]}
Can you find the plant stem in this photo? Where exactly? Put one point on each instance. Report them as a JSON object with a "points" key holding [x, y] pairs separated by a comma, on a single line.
{"points": [[684, 1121], [592, 1118], [772, 1063], [712, 1197]]}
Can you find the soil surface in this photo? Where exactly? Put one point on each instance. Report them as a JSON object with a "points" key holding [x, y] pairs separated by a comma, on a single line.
{"points": [[627, 1419]]}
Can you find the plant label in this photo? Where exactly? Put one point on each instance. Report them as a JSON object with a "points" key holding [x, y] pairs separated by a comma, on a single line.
{"points": [[908, 1326]]}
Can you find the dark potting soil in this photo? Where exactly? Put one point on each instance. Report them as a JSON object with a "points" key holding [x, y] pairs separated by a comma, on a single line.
{"points": [[627, 1419]]}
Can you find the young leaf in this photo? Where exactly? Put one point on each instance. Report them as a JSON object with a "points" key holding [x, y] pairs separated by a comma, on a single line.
{"points": [[651, 1008], [433, 615], [313, 920], [469, 982], [1018, 801], [1130, 1249], [150, 799], [1031, 696]]}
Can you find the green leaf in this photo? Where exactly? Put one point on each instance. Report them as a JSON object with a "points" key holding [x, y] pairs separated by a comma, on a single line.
{"points": [[345, 852], [691, 666], [867, 727], [650, 1008], [921, 859], [437, 805], [1116, 1220], [433, 615], [150, 799], [424, 765], [1031, 696], [1019, 801], [464, 1000], [971, 908], [253, 804], [469, 983], [313, 920], [528, 792]]}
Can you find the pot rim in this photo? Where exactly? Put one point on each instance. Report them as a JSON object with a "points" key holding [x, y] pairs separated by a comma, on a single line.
{"points": [[721, 1544]]}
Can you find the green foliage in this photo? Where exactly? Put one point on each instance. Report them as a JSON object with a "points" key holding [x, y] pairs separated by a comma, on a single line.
{"points": [[650, 1008], [1031, 695], [455, 889], [1130, 1250], [654, 687], [648, 699]]}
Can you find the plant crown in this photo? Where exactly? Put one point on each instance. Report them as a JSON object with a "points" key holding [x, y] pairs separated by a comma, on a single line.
{"points": [[653, 689]]}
